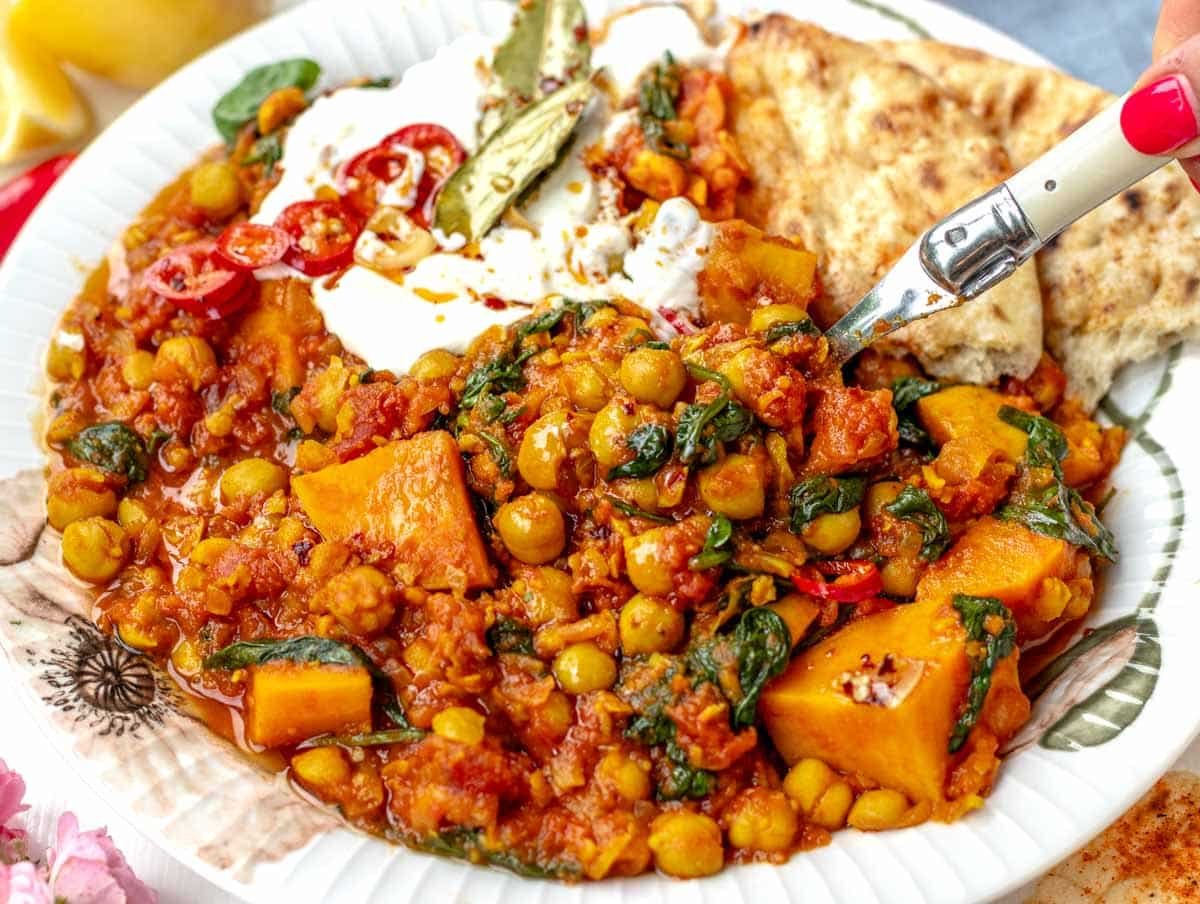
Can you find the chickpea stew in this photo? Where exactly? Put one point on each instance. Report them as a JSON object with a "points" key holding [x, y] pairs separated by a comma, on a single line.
{"points": [[630, 578]]}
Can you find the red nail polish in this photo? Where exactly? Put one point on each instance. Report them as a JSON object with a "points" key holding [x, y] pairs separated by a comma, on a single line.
{"points": [[1159, 118]]}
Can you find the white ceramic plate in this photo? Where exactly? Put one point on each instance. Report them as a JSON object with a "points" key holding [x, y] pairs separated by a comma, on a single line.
{"points": [[1120, 712]]}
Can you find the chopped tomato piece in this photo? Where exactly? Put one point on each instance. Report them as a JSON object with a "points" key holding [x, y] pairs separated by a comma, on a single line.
{"points": [[443, 155], [322, 236], [248, 246], [191, 278]]}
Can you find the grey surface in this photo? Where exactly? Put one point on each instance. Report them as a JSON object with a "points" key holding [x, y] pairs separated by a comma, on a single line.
{"points": [[1106, 42]]}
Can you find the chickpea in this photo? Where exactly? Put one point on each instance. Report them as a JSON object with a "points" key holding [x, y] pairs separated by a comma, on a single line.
{"points": [[215, 189], [137, 370], [900, 576], [879, 495], [547, 596], [132, 515], [94, 549], [806, 782], [832, 533], [437, 364], [762, 319], [762, 820], [628, 777], [250, 478], [459, 723], [322, 768], [78, 493], [532, 528], [832, 807], [185, 358], [584, 667], [610, 431], [544, 450], [639, 491], [649, 625], [686, 845], [734, 487], [363, 600], [877, 810], [65, 359], [644, 555], [586, 385], [653, 375]]}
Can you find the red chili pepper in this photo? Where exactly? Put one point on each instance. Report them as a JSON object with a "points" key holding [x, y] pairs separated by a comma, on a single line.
{"points": [[20, 196], [860, 580]]}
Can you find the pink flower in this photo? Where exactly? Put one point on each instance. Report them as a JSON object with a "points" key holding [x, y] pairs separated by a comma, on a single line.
{"points": [[86, 868], [12, 791], [22, 883]]}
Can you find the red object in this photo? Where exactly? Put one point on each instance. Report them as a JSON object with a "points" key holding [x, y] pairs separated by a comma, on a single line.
{"points": [[248, 246], [443, 155], [365, 177], [21, 195], [859, 580], [191, 278], [1160, 118], [322, 235], [681, 323]]}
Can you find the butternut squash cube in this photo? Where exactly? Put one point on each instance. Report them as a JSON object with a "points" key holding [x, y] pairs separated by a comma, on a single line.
{"points": [[971, 412], [288, 702], [744, 264], [878, 699], [409, 500], [1006, 560]]}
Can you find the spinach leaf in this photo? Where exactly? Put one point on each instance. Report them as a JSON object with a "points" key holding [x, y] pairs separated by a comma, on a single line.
{"points": [[991, 628], [499, 453], [823, 495], [634, 512], [778, 331], [384, 81], [906, 392], [508, 635], [756, 651], [1042, 501], [541, 323], [548, 47], [368, 739], [479, 192], [914, 505], [281, 401], [240, 104], [651, 445], [582, 310], [463, 843], [268, 151], [308, 648], [503, 374], [703, 373], [684, 781], [701, 427], [112, 447], [658, 94], [656, 344], [156, 439], [716, 549]]}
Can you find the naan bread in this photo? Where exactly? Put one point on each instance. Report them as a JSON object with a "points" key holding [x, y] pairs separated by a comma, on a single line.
{"points": [[856, 155], [1122, 284], [1149, 856]]}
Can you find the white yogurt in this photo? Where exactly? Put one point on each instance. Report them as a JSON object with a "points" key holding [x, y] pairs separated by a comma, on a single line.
{"points": [[637, 38]]}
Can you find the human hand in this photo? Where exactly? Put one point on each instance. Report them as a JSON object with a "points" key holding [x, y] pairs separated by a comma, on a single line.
{"points": [[1162, 116]]}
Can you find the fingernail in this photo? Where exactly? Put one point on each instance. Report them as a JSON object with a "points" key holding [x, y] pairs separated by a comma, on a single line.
{"points": [[1159, 118]]}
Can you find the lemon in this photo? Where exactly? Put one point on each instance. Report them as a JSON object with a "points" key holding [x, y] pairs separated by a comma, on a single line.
{"points": [[133, 42], [38, 104]]}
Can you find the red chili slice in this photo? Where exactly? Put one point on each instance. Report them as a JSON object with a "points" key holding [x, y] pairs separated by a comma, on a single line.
{"points": [[248, 246], [443, 155], [191, 278], [322, 236], [859, 581], [20, 196], [365, 176]]}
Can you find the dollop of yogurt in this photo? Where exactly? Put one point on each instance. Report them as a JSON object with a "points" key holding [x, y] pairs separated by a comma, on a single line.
{"points": [[573, 242]]}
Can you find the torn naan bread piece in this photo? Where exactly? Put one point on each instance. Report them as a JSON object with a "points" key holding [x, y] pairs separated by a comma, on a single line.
{"points": [[856, 155], [1122, 284]]}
